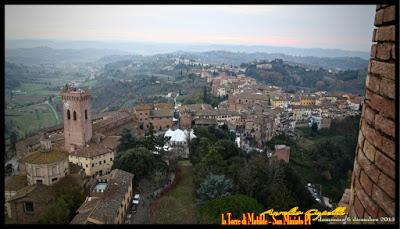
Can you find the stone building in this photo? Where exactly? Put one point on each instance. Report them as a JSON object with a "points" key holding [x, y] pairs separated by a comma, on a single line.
{"points": [[160, 115], [29, 202], [25, 203], [77, 117], [108, 201], [161, 119], [308, 100], [186, 120], [373, 187], [142, 113], [47, 165], [97, 157], [246, 100], [282, 152]]}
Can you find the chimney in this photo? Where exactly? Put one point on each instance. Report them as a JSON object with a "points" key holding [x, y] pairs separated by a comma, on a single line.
{"points": [[45, 145]]}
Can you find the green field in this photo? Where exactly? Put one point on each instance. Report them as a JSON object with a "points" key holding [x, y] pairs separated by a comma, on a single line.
{"points": [[178, 205], [30, 118]]}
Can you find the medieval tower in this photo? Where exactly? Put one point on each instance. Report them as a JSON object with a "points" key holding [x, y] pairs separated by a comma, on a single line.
{"points": [[373, 188], [77, 117]]}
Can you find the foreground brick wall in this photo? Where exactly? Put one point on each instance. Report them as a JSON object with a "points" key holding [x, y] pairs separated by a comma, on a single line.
{"points": [[372, 190]]}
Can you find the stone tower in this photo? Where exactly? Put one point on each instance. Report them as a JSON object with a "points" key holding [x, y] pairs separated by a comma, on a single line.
{"points": [[372, 193], [77, 117]]}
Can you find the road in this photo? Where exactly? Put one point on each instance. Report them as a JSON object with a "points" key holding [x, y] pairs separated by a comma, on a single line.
{"points": [[52, 108]]}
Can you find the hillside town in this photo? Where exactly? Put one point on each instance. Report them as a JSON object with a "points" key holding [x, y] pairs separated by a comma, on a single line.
{"points": [[84, 147]]}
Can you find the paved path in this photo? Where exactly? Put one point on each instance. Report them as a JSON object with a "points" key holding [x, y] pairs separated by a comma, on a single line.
{"points": [[54, 111]]}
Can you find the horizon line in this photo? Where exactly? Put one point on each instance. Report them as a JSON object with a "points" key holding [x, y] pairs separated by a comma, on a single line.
{"points": [[176, 43]]}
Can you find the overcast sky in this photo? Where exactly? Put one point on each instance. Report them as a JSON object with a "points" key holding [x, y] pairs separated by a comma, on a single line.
{"points": [[307, 26]]}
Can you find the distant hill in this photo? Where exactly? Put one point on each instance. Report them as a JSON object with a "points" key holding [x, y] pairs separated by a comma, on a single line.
{"points": [[46, 55], [224, 57], [151, 48]]}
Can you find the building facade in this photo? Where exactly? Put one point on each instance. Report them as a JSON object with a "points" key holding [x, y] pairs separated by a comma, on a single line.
{"points": [[77, 117]]}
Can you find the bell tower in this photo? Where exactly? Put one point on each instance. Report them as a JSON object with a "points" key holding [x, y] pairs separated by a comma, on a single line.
{"points": [[77, 117]]}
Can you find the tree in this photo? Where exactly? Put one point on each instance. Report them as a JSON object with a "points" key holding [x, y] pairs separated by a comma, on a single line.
{"points": [[56, 213], [128, 141], [314, 129], [237, 204], [227, 149], [214, 187], [205, 95], [139, 161]]}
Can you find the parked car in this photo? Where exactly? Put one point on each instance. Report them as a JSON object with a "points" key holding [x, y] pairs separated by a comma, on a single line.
{"points": [[136, 199]]}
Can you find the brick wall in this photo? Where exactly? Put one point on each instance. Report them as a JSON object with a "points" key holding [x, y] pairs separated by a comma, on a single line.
{"points": [[372, 190]]}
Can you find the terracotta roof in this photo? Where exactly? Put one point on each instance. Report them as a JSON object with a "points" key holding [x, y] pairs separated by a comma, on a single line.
{"points": [[163, 106], [252, 96], [37, 157], [85, 209], [142, 107], [205, 121], [93, 150], [38, 192], [161, 113], [104, 209], [111, 142], [15, 183], [206, 113]]}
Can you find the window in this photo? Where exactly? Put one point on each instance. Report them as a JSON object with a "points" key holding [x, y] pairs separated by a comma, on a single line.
{"points": [[68, 114], [54, 179], [110, 159], [86, 114], [104, 161], [86, 165], [92, 164], [100, 163], [28, 207], [140, 113], [74, 115], [39, 181]]}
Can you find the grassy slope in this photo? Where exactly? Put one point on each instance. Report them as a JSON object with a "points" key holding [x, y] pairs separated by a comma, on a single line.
{"points": [[178, 205]]}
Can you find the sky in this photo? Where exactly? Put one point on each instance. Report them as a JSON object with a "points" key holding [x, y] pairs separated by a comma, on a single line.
{"points": [[305, 26]]}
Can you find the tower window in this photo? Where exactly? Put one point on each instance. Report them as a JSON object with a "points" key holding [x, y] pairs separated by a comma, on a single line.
{"points": [[86, 114], [74, 115], [68, 114]]}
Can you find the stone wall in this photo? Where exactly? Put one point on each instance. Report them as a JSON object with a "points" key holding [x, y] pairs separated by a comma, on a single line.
{"points": [[372, 190]]}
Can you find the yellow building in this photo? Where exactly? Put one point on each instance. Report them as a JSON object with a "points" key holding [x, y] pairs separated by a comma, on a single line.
{"points": [[278, 102], [307, 100], [96, 158]]}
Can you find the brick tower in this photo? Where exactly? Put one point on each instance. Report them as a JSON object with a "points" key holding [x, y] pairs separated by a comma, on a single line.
{"points": [[373, 189], [77, 117]]}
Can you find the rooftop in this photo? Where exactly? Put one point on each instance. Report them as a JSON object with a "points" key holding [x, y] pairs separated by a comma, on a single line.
{"points": [[15, 183], [118, 183], [92, 150], [53, 155], [161, 113]]}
